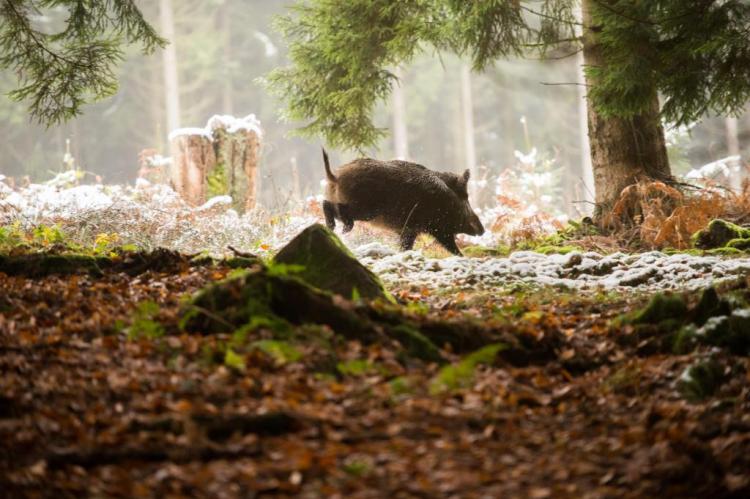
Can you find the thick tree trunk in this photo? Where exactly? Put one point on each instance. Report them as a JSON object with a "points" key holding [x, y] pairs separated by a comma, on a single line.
{"points": [[623, 151], [587, 190]]}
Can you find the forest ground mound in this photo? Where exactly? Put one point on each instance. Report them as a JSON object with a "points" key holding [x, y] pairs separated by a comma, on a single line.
{"points": [[103, 394]]}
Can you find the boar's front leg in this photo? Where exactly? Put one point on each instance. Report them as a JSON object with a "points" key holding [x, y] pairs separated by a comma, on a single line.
{"points": [[448, 241], [407, 239], [330, 213]]}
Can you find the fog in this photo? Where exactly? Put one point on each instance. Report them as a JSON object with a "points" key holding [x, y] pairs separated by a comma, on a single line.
{"points": [[221, 50]]}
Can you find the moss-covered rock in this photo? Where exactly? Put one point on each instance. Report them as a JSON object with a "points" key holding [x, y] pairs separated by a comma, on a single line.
{"points": [[259, 297], [327, 264], [661, 308], [719, 233], [701, 380]]}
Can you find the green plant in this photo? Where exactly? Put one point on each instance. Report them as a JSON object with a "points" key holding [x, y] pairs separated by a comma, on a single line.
{"points": [[144, 325], [234, 360], [281, 351], [460, 375]]}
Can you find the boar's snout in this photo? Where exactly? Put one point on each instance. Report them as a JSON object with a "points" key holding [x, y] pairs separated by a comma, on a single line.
{"points": [[476, 224]]}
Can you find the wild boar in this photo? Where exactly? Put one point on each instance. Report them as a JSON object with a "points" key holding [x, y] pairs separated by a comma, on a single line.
{"points": [[404, 197]]}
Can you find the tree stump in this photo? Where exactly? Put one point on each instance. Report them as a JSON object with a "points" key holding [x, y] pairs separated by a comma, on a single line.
{"points": [[220, 159], [193, 157], [236, 146]]}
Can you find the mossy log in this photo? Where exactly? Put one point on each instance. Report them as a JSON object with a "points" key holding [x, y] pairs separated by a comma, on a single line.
{"points": [[35, 265], [43, 264]]}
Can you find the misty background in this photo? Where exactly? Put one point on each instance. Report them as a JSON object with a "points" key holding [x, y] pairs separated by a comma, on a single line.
{"points": [[444, 116]]}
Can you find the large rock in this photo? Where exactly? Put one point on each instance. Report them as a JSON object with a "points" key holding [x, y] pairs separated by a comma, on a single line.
{"points": [[327, 264]]}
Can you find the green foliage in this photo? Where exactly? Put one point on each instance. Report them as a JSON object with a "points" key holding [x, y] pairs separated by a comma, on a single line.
{"points": [[281, 351], [417, 308], [144, 325], [460, 375], [357, 367], [697, 56], [58, 72], [341, 53], [11, 236], [357, 468], [400, 386], [234, 360], [46, 235]]}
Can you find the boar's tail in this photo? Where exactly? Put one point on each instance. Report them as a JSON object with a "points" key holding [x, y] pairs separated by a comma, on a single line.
{"points": [[329, 173]]}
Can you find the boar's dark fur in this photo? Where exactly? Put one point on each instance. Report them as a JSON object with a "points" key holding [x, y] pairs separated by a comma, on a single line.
{"points": [[404, 197]]}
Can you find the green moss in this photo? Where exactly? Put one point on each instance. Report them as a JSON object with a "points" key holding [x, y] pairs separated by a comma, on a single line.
{"points": [[41, 264], [718, 234], [460, 375], [701, 380], [325, 262], [661, 308], [217, 183], [724, 252], [739, 244], [550, 249], [416, 344], [483, 251]]}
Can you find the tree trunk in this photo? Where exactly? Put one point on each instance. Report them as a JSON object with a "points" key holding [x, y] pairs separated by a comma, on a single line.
{"points": [[623, 150], [400, 133], [467, 112], [193, 158], [587, 192], [171, 83]]}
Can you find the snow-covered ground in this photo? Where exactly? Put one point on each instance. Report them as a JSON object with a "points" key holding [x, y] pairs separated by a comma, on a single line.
{"points": [[575, 271], [152, 215]]}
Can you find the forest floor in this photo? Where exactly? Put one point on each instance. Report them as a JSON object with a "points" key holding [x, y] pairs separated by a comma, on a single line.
{"points": [[99, 396]]}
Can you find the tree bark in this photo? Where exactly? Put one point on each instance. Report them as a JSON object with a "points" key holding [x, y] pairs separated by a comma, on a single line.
{"points": [[623, 150], [238, 153], [193, 158], [587, 188]]}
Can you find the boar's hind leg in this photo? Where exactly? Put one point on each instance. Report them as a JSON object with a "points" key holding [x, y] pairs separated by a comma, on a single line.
{"points": [[448, 241], [407, 239], [345, 217], [330, 212]]}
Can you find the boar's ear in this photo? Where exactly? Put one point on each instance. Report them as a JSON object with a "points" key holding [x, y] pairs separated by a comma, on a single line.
{"points": [[465, 177]]}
